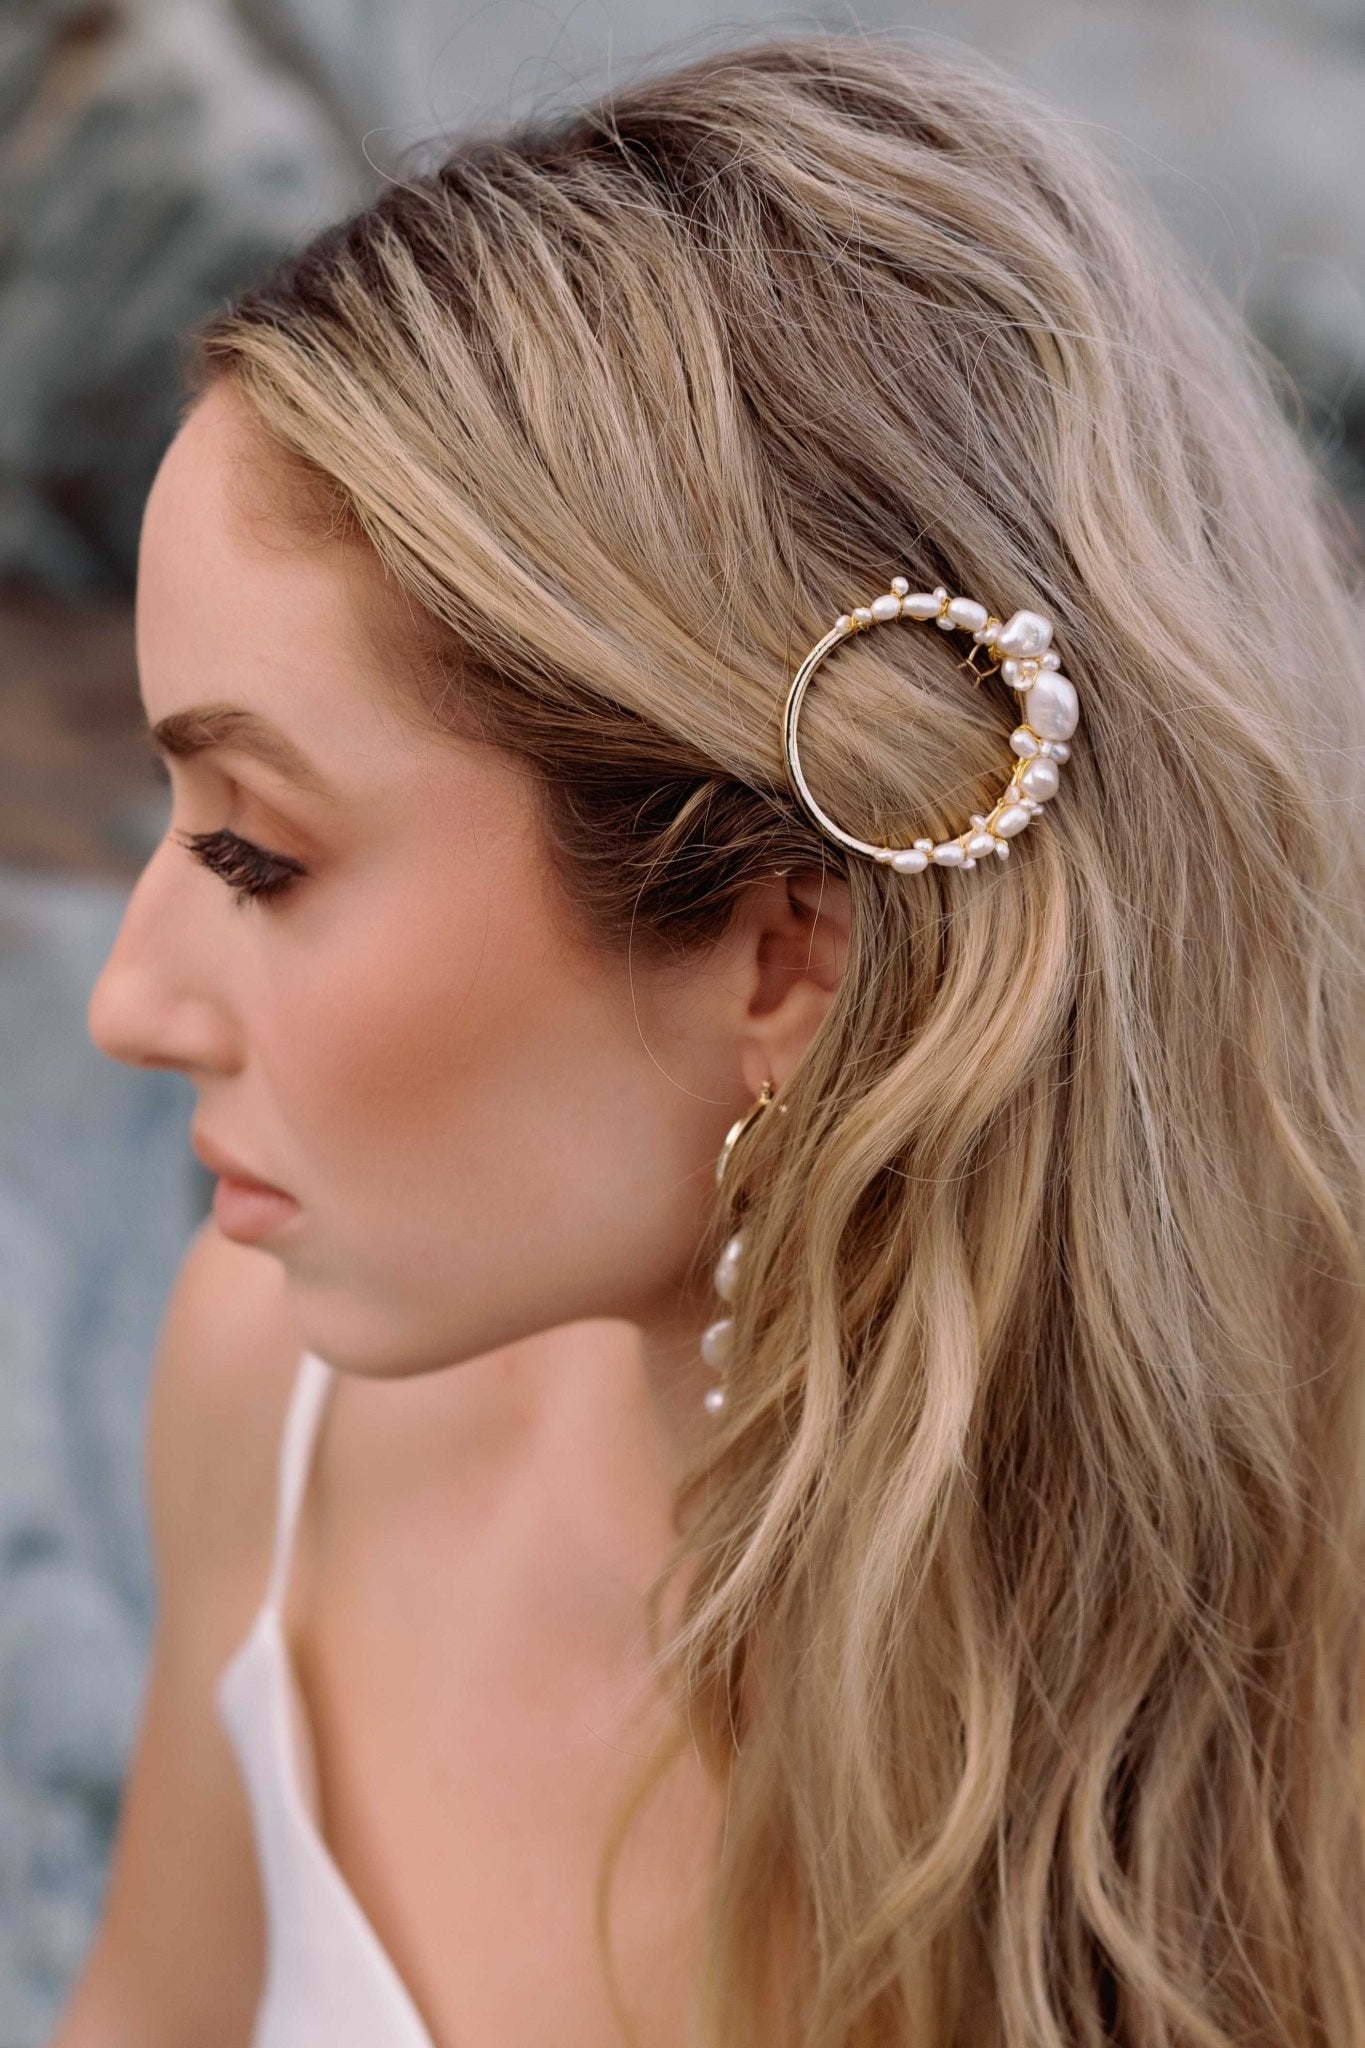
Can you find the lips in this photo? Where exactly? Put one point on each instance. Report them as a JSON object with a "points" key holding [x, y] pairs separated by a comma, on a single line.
{"points": [[220, 1162]]}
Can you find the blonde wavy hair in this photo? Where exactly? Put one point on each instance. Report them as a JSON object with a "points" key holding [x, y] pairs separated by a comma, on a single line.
{"points": [[1024, 1618]]}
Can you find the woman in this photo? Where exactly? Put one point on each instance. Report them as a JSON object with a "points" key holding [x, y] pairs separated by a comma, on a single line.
{"points": [[812, 1356]]}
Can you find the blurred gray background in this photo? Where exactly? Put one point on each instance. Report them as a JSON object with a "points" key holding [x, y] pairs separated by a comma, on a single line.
{"points": [[154, 156]]}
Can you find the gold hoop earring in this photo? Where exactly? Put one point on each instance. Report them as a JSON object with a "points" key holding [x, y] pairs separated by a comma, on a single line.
{"points": [[715, 1338], [740, 1126]]}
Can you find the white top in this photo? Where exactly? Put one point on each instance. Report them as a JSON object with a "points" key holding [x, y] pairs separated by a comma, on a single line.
{"points": [[329, 1982]]}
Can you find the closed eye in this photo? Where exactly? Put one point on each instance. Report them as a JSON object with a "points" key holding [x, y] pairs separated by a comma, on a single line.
{"points": [[250, 871]]}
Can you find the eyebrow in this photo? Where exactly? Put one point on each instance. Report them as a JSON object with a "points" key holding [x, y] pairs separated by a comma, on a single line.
{"points": [[183, 734]]}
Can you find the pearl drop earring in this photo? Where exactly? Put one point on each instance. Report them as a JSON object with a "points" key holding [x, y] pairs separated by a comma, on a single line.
{"points": [[716, 1338]]}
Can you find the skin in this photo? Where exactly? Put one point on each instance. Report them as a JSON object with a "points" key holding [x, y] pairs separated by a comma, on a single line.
{"points": [[503, 1147], [490, 1130]]}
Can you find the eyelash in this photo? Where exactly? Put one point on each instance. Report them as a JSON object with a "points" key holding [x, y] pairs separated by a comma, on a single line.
{"points": [[249, 870]]}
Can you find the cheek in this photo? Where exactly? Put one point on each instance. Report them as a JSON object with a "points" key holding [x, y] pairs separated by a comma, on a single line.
{"points": [[491, 1133], [456, 1078]]}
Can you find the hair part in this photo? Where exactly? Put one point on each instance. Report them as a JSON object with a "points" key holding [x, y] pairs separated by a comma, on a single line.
{"points": [[1024, 1617]]}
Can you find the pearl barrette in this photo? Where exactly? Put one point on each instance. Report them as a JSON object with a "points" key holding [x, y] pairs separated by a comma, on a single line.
{"points": [[1021, 651], [1025, 660]]}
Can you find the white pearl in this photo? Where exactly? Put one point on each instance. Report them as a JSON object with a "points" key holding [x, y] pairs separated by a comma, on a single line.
{"points": [[1052, 659], [843, 622], [1053, 709], [1040, 779], [715, 1344], [862, 615], [1012, 819], [980, 843], [922, 605], [883, 854], [1023, 742], [909, 860], [713, 1400], [965, 611], [900, 585], [1009, 669], [1060, 751], [883, 608], [925, 845], [1002, 849], [950, 854], [943, 622], [1024, 633], [727, 1268]]}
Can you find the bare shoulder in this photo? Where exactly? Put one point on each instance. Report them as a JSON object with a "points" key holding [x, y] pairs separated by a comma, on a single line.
{"points": [[179, 1951]]}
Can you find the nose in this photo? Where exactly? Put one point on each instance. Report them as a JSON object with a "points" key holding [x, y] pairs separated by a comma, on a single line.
{"points": [[158, 1000]]}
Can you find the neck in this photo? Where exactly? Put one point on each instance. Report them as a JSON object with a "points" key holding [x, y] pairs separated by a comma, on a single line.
{"points": [[603, 1412]]}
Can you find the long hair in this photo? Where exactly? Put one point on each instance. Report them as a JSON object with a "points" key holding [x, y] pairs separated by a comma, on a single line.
{"points": [[1023, 1617]]}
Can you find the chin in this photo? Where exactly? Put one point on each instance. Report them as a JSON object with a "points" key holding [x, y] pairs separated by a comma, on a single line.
{"points": [[363, 1341]]}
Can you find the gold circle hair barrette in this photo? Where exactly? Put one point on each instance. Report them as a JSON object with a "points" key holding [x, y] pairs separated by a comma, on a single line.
{"points": [[1020, 649]]}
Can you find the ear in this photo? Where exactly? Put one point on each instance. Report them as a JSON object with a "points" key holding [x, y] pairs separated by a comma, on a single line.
{"points": [[791, 936]]}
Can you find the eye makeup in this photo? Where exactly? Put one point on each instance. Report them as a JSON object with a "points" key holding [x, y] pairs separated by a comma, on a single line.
{"points": [[250, 871]]}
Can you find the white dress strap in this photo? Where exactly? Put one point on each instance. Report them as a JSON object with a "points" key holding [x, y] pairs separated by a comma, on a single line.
{"points": [[312, 1384], [329, 1980]]}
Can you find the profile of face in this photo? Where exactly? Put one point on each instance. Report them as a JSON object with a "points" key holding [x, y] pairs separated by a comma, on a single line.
{"points": [[489, 1128]]}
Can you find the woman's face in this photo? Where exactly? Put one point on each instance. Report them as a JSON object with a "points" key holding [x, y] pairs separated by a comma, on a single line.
{"points": [[488, 1129]]}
